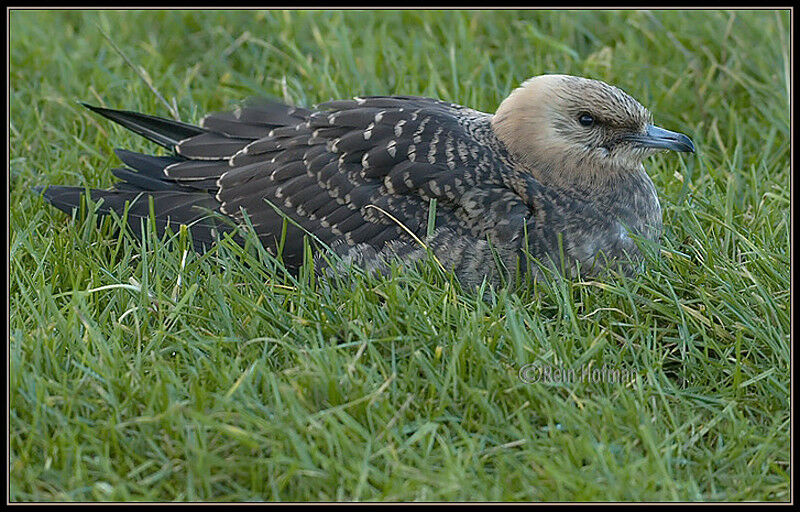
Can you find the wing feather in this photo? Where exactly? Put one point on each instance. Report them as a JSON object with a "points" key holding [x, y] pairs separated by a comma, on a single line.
{"points": [[325, 168]]}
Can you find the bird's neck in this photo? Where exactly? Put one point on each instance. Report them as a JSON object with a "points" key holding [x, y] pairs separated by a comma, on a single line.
{"points": [[631, 199], [618, 195], [578, 175]]}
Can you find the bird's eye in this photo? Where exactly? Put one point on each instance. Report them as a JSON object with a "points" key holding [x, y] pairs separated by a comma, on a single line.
{"points": [[586, 119]]}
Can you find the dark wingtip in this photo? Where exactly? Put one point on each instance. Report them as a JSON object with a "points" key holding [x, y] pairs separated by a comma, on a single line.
{"points": [[90, 107], [165, 132], [63, 198], [122, 153], [105, 112]]}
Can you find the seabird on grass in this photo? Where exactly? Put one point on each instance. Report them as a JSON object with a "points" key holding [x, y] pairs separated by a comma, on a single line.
{"points": [[555, 175]]}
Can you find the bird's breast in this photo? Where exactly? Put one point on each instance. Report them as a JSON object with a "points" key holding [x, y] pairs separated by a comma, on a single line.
{"points": [[597, 229]]}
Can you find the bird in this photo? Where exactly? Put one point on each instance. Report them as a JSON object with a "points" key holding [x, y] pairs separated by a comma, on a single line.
{"points": [[553, 178]]}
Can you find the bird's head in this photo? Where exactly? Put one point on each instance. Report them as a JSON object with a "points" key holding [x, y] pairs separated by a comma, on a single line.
{"points": [[569, 131]]}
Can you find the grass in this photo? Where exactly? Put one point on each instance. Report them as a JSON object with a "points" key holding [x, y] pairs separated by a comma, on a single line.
{"points": [[149, 372]]}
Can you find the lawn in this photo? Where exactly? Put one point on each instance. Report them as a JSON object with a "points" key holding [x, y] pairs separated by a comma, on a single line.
{"points": [[145, 371]]}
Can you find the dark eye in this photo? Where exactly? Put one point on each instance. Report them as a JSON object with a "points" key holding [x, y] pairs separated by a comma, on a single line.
{"points": [[586, 119]]}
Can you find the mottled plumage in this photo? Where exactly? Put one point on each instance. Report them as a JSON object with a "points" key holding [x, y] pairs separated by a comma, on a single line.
{"points": [[558, 166]]}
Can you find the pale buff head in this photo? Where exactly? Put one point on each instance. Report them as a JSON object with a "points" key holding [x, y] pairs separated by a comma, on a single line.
{"points": [[570, 131]]}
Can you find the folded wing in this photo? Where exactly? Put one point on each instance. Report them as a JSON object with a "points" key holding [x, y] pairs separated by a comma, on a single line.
{"points": [[363, 171]]}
